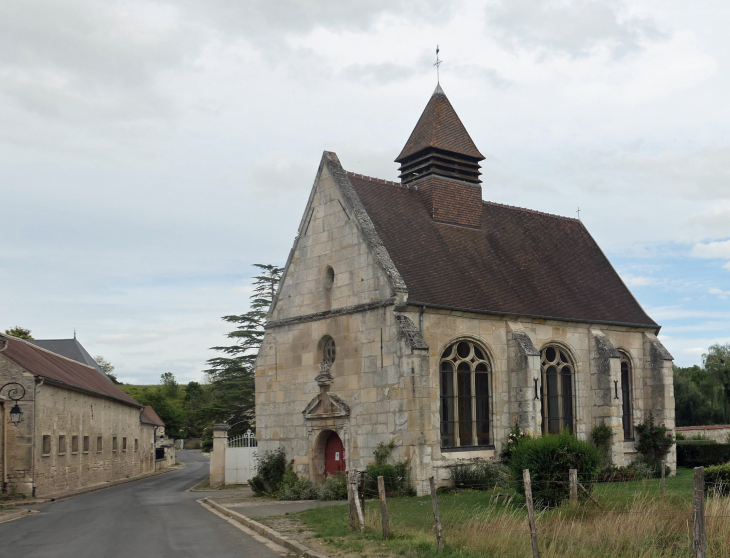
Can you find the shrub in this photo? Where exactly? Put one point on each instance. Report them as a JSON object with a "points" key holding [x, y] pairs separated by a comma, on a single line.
{"points": [[654, 441], [478, 474], [516, 435], [717, 479], [297, 488], [396, 478], [549, 460], [382, 452], [334, 487], [702, 455], [270, 472], [601, 437]]}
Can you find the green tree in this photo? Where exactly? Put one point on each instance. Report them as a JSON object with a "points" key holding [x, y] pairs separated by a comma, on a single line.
{"points": [[232, 374], [172, 416], [195, 409], [19, 332], [169, 384], [107, 367], [716, 363]]}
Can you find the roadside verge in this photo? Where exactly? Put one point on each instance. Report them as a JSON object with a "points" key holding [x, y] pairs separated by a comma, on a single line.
{"points": [[293, 546]]}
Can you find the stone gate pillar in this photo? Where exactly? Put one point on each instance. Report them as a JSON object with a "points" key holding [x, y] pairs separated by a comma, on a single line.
{"points": [[218, 455]]}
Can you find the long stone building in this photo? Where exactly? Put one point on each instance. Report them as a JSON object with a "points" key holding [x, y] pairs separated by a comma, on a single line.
{"points": [[77, 429], [417, 311]]}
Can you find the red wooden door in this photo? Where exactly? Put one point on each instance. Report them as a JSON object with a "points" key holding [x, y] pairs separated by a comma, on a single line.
{"points": [[334, 455]]}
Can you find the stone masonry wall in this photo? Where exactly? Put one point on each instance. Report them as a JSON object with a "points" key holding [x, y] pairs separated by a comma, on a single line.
{"points": [[64, 412], [329, 237]]}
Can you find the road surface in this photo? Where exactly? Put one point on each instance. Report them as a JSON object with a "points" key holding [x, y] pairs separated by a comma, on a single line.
{"points": [[150, 518]]}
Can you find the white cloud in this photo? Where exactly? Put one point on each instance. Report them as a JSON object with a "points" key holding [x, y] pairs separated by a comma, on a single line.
{"points": [[719, 292], [712, 250], [639, 280]]}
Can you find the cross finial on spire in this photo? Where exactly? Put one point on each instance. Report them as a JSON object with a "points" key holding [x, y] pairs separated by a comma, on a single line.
{"points": [[437, 64], [74, 333], [578, 212]]}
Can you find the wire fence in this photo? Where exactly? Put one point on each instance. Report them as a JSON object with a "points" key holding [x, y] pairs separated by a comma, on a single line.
{"points": [[688, 520]]}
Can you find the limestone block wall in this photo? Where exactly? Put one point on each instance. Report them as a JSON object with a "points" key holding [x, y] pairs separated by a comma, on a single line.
{"points": [[16, 466], [64, 412], [329, 237], [718, 433], [366, 376]]}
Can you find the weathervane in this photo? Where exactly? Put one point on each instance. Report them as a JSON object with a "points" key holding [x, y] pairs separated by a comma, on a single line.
{"points": [[437, 64]]}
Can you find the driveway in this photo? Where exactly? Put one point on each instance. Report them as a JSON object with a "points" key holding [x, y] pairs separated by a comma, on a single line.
{"points": [[151, 518]]}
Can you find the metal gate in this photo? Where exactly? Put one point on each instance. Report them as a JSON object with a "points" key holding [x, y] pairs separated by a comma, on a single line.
{"points": [[241, 458]]}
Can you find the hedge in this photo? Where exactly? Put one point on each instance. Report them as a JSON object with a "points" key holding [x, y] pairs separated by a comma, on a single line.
{"points": [[702, 455], [717, 480]]}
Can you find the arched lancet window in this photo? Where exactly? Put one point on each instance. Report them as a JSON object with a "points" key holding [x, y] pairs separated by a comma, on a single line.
{"points": [[464, 381], [557, 389], [627, 400]]}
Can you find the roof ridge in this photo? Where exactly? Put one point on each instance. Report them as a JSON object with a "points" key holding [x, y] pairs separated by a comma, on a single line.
{"points": [[380, 180], [486, 202], [51, 352]]}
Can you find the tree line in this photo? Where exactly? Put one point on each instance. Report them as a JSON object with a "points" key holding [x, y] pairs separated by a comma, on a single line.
{"points": [[702, 393]]}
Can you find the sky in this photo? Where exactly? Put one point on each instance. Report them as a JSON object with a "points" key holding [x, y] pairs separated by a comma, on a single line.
{"points": [[151, 152]]}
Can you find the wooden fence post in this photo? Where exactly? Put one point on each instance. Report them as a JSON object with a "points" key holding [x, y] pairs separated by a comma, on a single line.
{"points": [[351, 497], [383, 509], [530, 512], [356, 498], [698, 513], [573, 476], [436, 515], [664, 479]]}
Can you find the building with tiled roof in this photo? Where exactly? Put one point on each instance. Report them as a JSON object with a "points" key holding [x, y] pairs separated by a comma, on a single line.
{"points": [[66, 426], [418, 312]]}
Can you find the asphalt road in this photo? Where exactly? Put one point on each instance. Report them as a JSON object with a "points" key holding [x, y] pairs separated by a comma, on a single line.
{"points": [[151, 518]]}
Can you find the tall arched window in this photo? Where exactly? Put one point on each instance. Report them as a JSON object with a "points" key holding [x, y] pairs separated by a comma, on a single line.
{"points": [[464, 380], [557, 390], [627, 418]]}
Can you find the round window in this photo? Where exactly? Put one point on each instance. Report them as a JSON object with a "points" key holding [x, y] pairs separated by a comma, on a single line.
{"points": [[329, 351]]}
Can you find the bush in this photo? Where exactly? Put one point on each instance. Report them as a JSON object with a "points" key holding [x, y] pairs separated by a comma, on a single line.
{"points": [[297, 488], [270, 472], [334, 487], [396, 478], [516, 435], [549, 460], [654, 441], [702, 454], [477, 474], [717, 479], [601, 437]]}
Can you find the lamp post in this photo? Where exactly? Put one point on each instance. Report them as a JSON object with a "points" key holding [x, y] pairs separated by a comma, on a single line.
{"points": [[16, 413]]}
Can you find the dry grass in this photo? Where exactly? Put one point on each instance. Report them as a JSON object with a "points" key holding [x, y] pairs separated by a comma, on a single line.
{"points": [[647, 527]]}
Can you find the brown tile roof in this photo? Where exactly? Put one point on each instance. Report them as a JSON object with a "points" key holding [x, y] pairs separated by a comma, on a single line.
{"points": [[149, 416], [441, 128], [53, 367], [518, 262]]}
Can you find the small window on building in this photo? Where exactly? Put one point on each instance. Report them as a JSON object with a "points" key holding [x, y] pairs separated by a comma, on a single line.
{"points": [[627, 418], [99, 444], [46, 445], [136, 444], [74, 444], [124, 443], [62, 445], [329, 278], [114, 443], [329, 351], [86, 444]]}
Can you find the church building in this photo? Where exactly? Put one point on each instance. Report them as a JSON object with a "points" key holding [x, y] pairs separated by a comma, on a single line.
{"points": [[417, 312]]}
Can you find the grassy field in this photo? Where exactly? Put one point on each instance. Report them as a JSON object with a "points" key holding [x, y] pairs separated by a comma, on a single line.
{"points": [[633, 521]]}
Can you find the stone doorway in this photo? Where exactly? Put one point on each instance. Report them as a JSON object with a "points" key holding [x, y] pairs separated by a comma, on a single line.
{"points": [[334, 455]]}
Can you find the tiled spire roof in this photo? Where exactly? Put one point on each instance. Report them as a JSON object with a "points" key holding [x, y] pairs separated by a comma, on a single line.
{"points": [[439, 127]]}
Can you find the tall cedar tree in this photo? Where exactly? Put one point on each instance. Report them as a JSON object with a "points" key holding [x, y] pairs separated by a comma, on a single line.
{"points": [[232, 375]]}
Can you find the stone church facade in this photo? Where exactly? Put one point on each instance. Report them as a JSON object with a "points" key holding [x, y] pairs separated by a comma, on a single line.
{"points": [[416, 311]]}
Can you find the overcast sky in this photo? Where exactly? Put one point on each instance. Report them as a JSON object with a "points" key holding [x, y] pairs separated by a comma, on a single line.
{"points": [[150, 152]]}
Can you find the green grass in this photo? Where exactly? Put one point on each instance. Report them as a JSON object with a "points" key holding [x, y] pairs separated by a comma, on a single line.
{"points": [[633, 520]]}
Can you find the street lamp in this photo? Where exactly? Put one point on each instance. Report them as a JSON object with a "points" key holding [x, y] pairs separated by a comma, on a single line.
{"points": [[16, 413]]}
